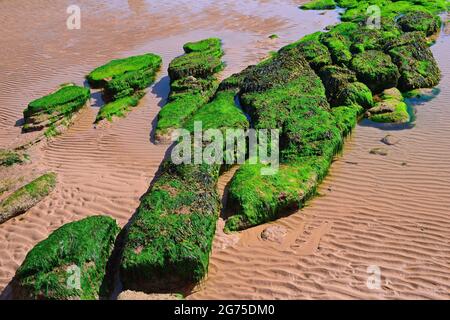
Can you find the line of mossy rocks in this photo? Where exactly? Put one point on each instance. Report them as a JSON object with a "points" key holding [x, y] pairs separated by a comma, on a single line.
{"points": [[314, 90], [192, 84], [122, 81]]}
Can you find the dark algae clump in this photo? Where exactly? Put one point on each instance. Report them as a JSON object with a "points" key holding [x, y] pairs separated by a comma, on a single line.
{"points": [[84, 245]]}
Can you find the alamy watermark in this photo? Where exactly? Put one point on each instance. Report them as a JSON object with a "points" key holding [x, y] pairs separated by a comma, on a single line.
{"points": [[374, 278], [374, 19], [230, 146], [73, 22]]}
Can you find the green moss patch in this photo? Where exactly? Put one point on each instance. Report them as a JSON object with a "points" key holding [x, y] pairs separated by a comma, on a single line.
{"points": [[193, 84], [220, 113], [355, 93], [346, 117], [336, 79], [211, 46], [49, 271], [415, 61], [118, 108], [392, 108], [376, 70], [54, 111], [197, 64], [120, 67], [420, 21], [319, 5], [168, 243], [27, 197]]}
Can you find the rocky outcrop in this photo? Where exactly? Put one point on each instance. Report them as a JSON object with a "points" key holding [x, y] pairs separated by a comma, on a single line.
{"points": [[55, 111], [70, 264]]}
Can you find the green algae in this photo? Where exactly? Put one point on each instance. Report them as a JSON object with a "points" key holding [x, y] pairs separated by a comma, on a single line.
{"points": [[211, 46], [196, 64], [117, 108], [54, 111], [168, 243], [415, 61], [193, 84], [319, 5], [420, 21], [220, 113], [27, 196], [376, 70], [355, 93], [391, 109], [48, 268], [346, 118], [120, 67]]}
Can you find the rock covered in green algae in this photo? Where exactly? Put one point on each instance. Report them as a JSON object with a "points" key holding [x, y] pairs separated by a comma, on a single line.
{"points": [[339, 47], [319, 5], [415, 61], [131, 67], [54, 111], [198, 64], [313, 50], [392, 108], [168, 243], [355, 93], [310, 138], [211, 46], [118, 108], [335, 79], [346, 117], [27, 197], [77, 249], [123, 81], [376, 70], [420, 21], [191, 86]]}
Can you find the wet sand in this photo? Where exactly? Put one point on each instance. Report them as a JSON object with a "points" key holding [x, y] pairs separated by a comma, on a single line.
{"points": [[374, 210]]}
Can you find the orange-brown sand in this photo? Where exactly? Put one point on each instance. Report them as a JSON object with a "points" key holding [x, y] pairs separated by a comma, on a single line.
{"points": [[389, 211]]}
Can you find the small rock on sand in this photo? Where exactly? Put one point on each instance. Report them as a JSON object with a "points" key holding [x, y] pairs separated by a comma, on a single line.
{"points": [[390, 140], [274, 234], [379, 151]]}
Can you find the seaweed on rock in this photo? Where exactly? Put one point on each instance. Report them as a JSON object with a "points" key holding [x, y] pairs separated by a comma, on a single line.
{"points": [[142, 68], [123, 81], [80, 248], [168, 243], [53, 112], [193, 84], [420, 21], [27, 197], [415, 61], [376, 70], [319, 5], [391, 109]]}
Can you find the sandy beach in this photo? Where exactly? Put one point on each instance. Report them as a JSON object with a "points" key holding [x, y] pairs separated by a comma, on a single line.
{"points": [[390, 212]]}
